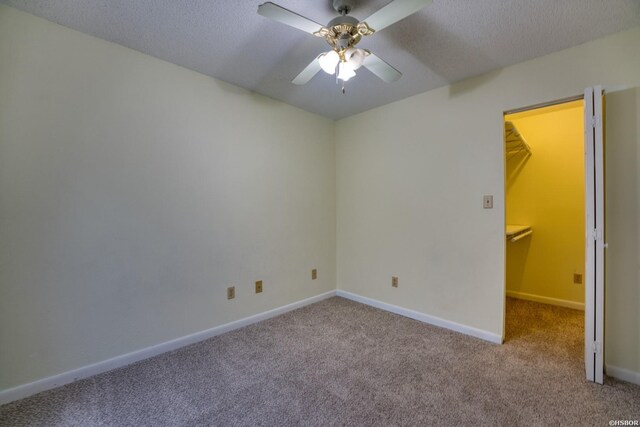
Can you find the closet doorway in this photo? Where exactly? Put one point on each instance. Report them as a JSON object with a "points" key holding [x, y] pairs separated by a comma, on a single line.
{"points": [[552, 258]]}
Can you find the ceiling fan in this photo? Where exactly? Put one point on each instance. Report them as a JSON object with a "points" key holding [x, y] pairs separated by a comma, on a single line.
{"points": [[343, 33]]}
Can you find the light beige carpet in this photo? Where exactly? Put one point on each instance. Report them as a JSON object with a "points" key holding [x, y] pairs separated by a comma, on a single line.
{"points": [[338, 362]]}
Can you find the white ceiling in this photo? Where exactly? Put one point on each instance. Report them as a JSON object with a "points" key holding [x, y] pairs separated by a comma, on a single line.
{"points": [[448, 41]]}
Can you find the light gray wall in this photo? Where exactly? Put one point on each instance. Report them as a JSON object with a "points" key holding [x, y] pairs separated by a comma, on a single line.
{"points": [[133, 192], [410, 190]]}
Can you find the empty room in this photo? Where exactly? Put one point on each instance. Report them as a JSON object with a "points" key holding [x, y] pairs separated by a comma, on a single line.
{"points": [[327, 212]]}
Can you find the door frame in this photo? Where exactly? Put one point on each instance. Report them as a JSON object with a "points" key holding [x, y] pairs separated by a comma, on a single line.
{"points": [[594, 225]]}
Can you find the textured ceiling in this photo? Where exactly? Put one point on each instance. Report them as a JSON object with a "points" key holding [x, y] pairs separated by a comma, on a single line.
{"points": [[447, 41]]}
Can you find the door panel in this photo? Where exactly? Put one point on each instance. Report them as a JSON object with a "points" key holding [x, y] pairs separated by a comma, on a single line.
{"points": [[594, 224]]}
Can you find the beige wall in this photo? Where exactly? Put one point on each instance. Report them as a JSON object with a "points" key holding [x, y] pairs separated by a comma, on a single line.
{"points": [[622, 183], [410, 189], [133, 192], [546, 191]]}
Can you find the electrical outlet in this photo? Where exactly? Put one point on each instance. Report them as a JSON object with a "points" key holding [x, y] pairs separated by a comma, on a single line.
{"points": [[314, 274], [258, 286], [577, 278], [487, 202], [231, 292], [394, 281]]}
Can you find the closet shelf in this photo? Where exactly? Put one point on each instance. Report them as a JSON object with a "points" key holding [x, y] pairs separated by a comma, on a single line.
{"points": [[514, 142], [517, 232]]}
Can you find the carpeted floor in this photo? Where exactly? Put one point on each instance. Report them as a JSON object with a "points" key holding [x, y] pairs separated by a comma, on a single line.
{"points": [[338, 362]]}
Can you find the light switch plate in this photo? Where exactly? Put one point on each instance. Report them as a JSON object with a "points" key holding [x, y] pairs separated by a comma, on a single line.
{"points": [[487, 202]]}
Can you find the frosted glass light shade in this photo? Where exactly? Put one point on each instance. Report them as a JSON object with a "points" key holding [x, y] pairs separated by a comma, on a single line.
{"points": [[355, 57], [345, 72], [328, 61]]}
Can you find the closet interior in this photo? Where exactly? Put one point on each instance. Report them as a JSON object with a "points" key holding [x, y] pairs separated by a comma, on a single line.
{"points": [[545, 204]]}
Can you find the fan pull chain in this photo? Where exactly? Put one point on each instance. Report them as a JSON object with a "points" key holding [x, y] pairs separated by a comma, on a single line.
{"points": [[338, 81]]}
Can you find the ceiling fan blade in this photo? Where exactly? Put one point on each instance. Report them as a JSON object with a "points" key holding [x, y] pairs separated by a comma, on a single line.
{"points": [[381, 69], [394, 12], [285, 16], [308, 73]]}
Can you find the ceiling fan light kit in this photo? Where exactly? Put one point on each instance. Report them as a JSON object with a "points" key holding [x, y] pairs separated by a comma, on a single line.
{"points": [[347, 61], [343, 33]]}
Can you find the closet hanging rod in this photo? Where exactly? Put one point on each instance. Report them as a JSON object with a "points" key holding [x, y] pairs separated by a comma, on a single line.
{"points": [[520, 236]]}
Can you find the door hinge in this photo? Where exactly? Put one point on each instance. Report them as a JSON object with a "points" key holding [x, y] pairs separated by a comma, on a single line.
{"points": [[596, 121], [596, 234], [596, 347]]}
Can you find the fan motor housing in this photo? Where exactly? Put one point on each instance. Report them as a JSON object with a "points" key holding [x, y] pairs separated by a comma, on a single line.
{"points": [[344, 31], [343, 20]]}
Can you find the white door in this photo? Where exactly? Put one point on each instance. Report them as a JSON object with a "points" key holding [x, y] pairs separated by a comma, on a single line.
{"points": [[594, 221]]}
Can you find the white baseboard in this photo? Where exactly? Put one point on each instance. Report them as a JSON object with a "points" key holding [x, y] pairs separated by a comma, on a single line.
{"points": [[623, 374], [25, 390], [426, 318], [546, 300]]}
